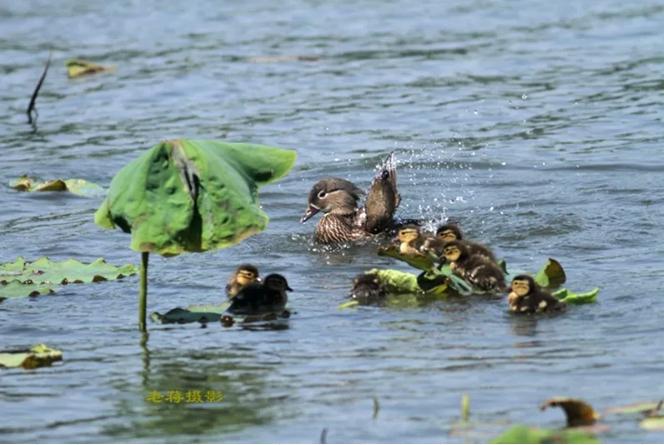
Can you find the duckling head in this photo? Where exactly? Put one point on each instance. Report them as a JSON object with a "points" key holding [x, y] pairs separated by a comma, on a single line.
{"points": [[454, 250], [368, 289], [522, 285], [332, 195], [246, 274], [408, 234], [277, 283], [449, 232]]}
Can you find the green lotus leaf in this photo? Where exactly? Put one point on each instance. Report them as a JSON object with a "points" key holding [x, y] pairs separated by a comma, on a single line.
{"points": [[526, 434], [24, 278], [192, 195], [79, 187], [191, 314], [650, 408], [16, 288], [35, 357], [568, 297], [79, 67], [551, 276], [655, 423], [422, 262]]}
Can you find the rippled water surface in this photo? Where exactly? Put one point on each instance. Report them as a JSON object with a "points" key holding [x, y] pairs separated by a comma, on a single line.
{"points": [[537, 124]]}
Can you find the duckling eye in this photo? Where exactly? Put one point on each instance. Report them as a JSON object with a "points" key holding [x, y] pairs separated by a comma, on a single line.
{"points": [[322, 194]]}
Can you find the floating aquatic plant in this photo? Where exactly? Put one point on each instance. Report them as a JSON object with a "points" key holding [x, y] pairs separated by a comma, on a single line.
{"points": [[23, 278], [79, 67], [34, 357], [79, 187]]}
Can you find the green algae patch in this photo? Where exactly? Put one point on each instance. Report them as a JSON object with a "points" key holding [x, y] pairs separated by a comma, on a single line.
{"points": [[35, 357]]}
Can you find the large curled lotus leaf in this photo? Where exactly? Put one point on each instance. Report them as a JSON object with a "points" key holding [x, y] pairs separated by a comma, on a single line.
{"points": [[46, 271], [192, 195], [551, 275], [35, 357], [79, 187], [526, 434]]}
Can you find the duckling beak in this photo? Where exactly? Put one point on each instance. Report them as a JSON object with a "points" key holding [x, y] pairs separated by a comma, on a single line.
{"points": [[311, 211]]}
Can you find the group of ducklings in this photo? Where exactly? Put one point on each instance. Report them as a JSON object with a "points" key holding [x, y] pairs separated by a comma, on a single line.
{"points": [[476, 264], [344, 220], [255, 298]]}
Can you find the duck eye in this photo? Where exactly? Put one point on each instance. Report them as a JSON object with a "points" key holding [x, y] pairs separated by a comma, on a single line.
{"points": [[322, 194]]}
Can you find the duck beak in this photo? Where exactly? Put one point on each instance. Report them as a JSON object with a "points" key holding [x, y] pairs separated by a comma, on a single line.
{"points": [[311, 211], [289, 288]]}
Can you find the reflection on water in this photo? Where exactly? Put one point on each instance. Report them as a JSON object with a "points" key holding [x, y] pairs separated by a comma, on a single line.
{"points": [[186, 394]]}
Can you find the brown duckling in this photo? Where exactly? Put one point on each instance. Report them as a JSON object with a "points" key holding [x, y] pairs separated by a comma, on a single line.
{"points": [[451, 232], [478, 270], [410, 240], [368, 289], [244, 275], [526, 297], [343, 219], [268, 297]]}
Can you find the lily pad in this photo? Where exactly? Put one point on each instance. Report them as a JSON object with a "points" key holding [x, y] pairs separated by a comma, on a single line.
{"points": [[526, 434], [655, 423], [650, 408], [23, 278], [192, 195], [79, 67], [551, 276], [568, 297], [578, 412], [192, 314], [422, 262], [16, 288], [35, 357], [79, 187]]}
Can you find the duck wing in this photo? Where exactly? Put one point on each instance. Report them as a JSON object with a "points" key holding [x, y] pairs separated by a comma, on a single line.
{"points": [[383, 197]]}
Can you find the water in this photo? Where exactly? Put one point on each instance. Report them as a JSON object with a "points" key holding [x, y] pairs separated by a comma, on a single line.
{"points": [[537, 124]]}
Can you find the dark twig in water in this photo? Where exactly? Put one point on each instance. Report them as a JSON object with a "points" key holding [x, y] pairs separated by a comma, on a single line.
{"points": [[323, 436], [33, 99], [376, 407]]}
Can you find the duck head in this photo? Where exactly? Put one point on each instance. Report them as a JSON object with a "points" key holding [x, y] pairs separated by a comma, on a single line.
{"points": [[454, 251], [408, 234], [449, 232], [334, 195], [277, 283], [246, 274]]}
